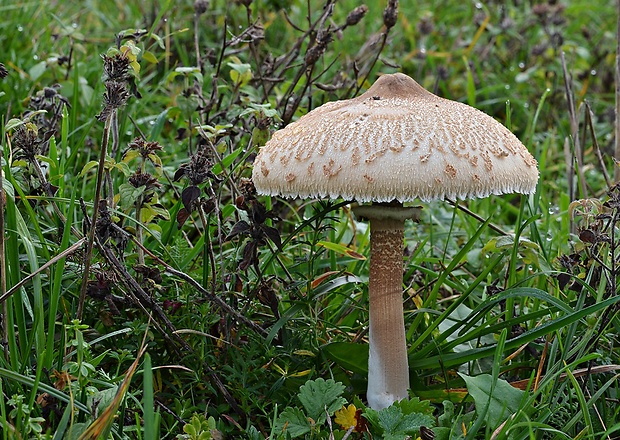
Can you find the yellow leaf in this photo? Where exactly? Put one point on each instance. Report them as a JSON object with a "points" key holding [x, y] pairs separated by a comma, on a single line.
{"points": [[301, 373], [346, 417]]}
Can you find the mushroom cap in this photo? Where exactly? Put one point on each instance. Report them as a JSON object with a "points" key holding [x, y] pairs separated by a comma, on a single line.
{"points": [[399, 142]]}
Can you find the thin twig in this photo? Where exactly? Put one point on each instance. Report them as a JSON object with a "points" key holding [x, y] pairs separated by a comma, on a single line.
{"points": [[617, 79], [476, 216], [210, 296], [574, 128], [597, 149], [74, 247], [91, 233]]}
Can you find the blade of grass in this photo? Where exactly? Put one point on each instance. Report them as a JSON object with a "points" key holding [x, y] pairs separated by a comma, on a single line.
{"points": [[452, 359], [148, 401]]}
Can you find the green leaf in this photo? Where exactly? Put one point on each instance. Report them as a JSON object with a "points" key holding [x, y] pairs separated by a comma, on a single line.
{"points": [[129, 194], [396, 421], [227, 161], [350, 356], [150, 57], [88, 166], [241, 73], [37, 70], [130, 155], [342, 250], [12, 123], [320, 396], [293, 422], [415, 405], [502, 399]]}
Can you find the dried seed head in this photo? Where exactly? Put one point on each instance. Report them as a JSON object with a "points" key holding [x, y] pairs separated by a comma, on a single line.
{"points": [[139, 179], [52, 102], [247, 188], [314, 53], [3, 71], [115, 96], [201, 6], [26, 140], [144, 148], [425, 26], [356, 15], [390, 14], [116, 67]]}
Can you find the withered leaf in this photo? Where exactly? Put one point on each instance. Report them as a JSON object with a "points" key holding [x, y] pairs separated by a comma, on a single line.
{"points": [[182, 216], [241, 227], [273, 234], [249, 255], [587, 236], [180, 173], [189, 196]]}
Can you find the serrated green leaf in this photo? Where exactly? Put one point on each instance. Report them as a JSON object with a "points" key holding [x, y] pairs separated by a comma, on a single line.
{"points": [[391, 421], [123, 168], [129, 194], [161, 211], [293, 422], [415, 405], [320, 396], [502, 399]]}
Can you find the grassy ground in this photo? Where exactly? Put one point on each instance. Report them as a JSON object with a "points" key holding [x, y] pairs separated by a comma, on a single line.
{"points": [[168, 321]]}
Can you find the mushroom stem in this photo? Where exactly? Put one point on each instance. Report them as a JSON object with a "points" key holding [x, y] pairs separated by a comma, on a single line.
{"points": [[388, 366]]}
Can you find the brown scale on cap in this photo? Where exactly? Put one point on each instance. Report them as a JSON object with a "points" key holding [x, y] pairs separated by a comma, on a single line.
{"points": [[391, 143]]}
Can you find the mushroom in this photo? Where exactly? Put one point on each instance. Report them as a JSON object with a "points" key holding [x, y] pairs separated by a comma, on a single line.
{"points": [[393, 144]]}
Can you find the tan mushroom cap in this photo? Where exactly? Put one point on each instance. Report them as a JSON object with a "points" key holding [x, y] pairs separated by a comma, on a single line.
{"points": [[399, 142]]}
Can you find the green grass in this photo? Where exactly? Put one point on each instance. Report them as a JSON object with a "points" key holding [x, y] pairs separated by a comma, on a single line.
{"points": [[523, 292]]}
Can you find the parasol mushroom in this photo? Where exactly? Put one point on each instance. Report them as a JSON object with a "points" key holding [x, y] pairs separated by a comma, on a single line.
{"points": [[395, 143]]}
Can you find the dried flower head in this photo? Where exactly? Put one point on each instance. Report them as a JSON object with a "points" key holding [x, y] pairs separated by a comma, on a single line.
{"points": [[115, 96], [425, 26], [26, 140], [198, 169], [201, 6], [139, 179], [390, 14], [116, 67], [247, 188], [145, 148], [52, 102], [313, 54], [356, 15]]}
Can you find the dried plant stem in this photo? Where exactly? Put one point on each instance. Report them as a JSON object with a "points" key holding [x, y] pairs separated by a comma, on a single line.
{"points": [[574, 128], [93, 223], [139, 233], [71, 249], [467, 211], [209, 295], [597, 149], [196, 40], [617, 79]]}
